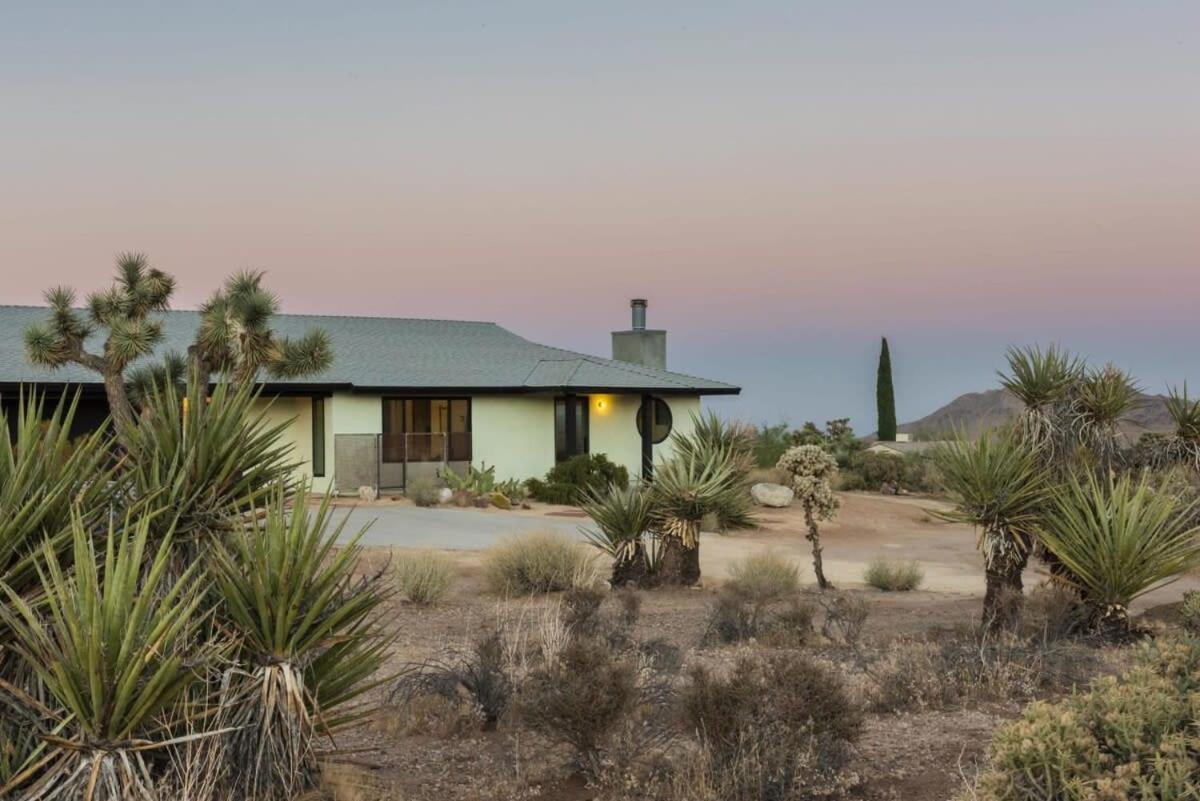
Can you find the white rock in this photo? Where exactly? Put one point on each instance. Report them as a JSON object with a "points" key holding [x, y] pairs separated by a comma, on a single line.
{"points": [[445, 495], [368, 494], [773, 495]]}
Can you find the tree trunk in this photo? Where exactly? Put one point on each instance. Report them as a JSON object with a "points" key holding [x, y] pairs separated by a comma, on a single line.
{"points": [[1003, 598], [631, 570], [814, 537], [680, 565], [119, 407]]}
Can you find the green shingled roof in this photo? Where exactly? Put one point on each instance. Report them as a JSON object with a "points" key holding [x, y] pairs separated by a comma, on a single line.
{"points": [[380, 353]]}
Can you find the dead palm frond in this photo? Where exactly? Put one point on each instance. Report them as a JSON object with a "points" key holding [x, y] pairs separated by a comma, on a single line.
{"points": [[1120, 539], [108, 643], [310, 639]]}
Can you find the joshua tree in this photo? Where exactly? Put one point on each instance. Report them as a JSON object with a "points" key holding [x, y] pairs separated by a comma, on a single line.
{"points": [[1100, 399], [684, 490], [1182, 446], [125, 311], [235, 336], [1000, 486], [885, 396], [811, 468], [1044, 381]]}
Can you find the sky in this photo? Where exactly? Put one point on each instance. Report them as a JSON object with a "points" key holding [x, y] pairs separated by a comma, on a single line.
{"points": [[785, 182]]}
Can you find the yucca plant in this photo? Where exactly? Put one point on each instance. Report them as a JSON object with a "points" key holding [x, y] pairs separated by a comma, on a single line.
{"points": [[1120, 539], [708, 432], [684, 490], [1000, 486], [1043, 381], [1182, 446], [1100, 401], [622, 519], [109, 642], [309, 634], [206, 457]]}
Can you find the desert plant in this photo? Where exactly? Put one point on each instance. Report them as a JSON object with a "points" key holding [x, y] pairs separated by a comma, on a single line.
{"points": [[567, 481], [1181, 446], [581, 698], [1189, 611], [538, 562], [811, 469], [845, 617], [769, 443], [1042, 380], [235, 337], [125, 311], [892, 576], [622, 517], [765, 576], [423, 577], [1101, 399], [205, 456], [885, 397], [423, 491], [999, 486], [709, 434], [1128, 737], [309, 639], [1119, 539], [684, 490], [482, 672], [475, 481], [111, 642]]}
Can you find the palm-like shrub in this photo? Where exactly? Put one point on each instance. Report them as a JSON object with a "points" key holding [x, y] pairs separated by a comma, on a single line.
{"points": [[622, 518], [684, 490], [110, 645], [999, 485], [1100, 400], [309, 639], [1119, 539], [811, 470], [1043, 381], [708, 434], [1182, 446], [206, 457]]}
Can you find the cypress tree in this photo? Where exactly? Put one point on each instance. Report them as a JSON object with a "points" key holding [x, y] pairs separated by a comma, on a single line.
{"points": [[885, 397]]}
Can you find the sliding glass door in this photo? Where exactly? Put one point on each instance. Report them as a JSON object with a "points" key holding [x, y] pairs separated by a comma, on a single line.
{"points": [[426, 430]]}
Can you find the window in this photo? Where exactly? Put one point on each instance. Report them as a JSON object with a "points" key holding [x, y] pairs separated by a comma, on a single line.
{"points": [[318, 437], [575, 406], [660, 419], [426, 429]]}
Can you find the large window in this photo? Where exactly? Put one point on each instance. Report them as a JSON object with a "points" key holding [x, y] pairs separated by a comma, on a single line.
{"points": [[660, 419], [570, 416], [426, 429], [318, 437]]}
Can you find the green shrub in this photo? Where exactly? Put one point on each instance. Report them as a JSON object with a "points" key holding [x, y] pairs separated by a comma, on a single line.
{"points": [[894, 576], [423, 491], [760, 601], [537, 562], [423, 577], [1189, 610], [1129, 737], [567, 482], [765, 576]]}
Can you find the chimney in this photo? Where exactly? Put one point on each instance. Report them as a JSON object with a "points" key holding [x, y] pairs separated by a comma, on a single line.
{"points": [[647, 347]]}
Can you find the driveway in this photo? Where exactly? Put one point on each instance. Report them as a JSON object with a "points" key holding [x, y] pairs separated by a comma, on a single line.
{"points": [[406, 526]]}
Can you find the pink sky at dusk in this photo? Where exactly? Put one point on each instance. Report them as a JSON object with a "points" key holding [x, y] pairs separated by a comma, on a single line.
{"points": [[785, 182]]}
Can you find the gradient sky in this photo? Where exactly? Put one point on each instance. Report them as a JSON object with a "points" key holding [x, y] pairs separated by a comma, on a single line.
{"points": [[785, 182]]}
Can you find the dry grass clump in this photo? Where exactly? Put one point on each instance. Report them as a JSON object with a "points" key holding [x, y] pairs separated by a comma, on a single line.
{"points": [[845, 617], [423, 577], [761, 601], [1189, 610], [765, 575], [539, 562], [423, 491], [890, 576]]}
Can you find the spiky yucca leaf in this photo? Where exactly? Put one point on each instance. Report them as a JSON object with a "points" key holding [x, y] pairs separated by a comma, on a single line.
{"points": [[999, 486], [622, 518], [311, 642], [690, 486], [709, 433], [208, 457], [1100, 400], [1043, 381], [1120, 539], [1182, 446], [107, 642]]}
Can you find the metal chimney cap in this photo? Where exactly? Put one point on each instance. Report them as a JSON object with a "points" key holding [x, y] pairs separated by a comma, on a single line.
{"points": [[639, 313]]}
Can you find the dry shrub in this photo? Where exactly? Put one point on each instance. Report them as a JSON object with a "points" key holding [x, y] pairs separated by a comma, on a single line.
{"points": [[430, 714], [539, 562], [761, 601], [1132, 737], [774, 728], [423, 577], [845, 617], [423, 491], [1189, 611], [343, 782], [891, 576], [481, 673], [765, 576]]}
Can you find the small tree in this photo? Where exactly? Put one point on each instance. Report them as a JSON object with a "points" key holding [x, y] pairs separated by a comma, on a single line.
{"points": [[125, 311], [885, 396], [810, 469]]}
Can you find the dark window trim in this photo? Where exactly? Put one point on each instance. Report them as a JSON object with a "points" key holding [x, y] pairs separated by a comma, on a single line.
{"points": [[318, 437]]}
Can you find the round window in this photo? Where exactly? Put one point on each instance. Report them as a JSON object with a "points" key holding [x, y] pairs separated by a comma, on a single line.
{"points": [[660, 419]]}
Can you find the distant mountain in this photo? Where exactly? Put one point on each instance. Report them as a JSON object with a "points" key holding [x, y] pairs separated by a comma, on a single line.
{"points": [[980, 411]]}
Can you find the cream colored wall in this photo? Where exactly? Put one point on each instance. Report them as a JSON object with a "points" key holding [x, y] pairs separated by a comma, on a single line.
{"points": [[613, 424], [356, 414], [297, 413], [514, 433]]}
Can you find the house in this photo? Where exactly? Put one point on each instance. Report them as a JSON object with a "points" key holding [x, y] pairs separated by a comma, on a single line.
{"points": [[900, 447], [405, 397]]}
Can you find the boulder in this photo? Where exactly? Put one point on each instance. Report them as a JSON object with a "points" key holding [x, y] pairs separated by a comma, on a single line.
{"points": [[445, 495], [501, 501], [367, 494], [776, 496]]}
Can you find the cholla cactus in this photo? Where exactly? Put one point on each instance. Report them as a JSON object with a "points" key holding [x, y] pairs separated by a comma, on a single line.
{"points": [[810, 468]]}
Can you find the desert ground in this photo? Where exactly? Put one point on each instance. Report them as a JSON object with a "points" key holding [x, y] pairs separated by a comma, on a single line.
{"points": [[917, 755]]}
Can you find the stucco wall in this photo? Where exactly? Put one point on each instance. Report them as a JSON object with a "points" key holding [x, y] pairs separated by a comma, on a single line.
{"points": [[614, 428], [514, 433], [297, 412]]}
